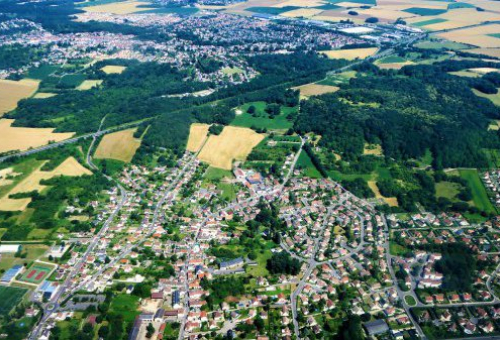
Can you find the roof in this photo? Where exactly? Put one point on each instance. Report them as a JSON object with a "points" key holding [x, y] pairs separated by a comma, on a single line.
{"points": [[376, 327]]}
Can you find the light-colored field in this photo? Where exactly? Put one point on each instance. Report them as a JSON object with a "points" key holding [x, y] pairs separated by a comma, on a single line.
{"points": [[477, 36], [231, 70], [391, 201], [302, 12], [297, 3], [385, 14], [44, 95], [395, 66], [484, 70], [491, 52], [372, 149], [70, 167], [4, 174], [113, 69], [351, 54], [495, 98], [494, 125], [11, 92], [234, 143], [120, 145], [315, 89], [124, 7], [88, 84], [465, 74], [197, 134], [21, 138], [337, 18]]}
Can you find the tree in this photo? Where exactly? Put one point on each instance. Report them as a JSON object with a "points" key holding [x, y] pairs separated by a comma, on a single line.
{"points": [[150, 330]]}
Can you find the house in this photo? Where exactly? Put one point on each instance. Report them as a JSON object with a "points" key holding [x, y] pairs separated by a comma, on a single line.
{"points": [[376, 327]]}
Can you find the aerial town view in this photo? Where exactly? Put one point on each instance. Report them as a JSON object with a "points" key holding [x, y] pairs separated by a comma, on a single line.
{"points": [[249, 169]]}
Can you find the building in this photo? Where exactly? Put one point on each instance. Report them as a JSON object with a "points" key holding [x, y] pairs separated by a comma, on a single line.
{"points": [[9, 248], [232, 264], [376, 327], [11, 273]]}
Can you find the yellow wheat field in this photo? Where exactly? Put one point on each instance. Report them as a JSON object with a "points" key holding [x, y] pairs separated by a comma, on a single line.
{"points": [[315, 89], [11, 92], [70, 167], [477, 36], [234, 143], [197, 135], [120, 145], [123, 7], [351, 54], [21, 138], [491, 52], [113, 69]]}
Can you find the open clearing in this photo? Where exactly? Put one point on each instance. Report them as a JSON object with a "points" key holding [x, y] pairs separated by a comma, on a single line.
{"points": [[21, 138], [120, 145], [11, 92], [315, 89], [495, 98], [70, 167], [197, 134], [234, 143], [88, 84], [391, 201], [351, 54], [124, 7], [44, 95], [372, 149], [113, 69]]}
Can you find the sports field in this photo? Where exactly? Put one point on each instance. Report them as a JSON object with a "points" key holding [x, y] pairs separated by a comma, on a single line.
{"points": [[113, 69], [234, 143], [197, 134], [10, 297], [36, 273], [22, 138], [11, 92], [120, 145], [351, 54], [70, 167]]}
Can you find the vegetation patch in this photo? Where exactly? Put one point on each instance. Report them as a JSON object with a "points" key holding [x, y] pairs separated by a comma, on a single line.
{"points": [[10, 297], [11, 92], [120, 145]]}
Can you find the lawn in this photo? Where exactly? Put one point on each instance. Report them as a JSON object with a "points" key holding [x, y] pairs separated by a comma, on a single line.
{"points": [[410, 300], [10, 298], [260, 268], [216, 174], [305, 163], [448, 190], [397, 249], [261, 119], [228, 191], [125, 305], [479, 194], [34, 251]]}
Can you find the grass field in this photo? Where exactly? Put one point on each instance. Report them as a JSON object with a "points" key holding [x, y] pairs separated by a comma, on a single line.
{"points": [[21, 138], [234, 143], [391, 201], [10, 298], [36, 273], [125, 305], [410, 300], [479, 194], [231, 70], [42, 72], [315, 89], [44, 95], [261, 119], [304, 162], [351, 54], [495, 98], [448, 190], [11, 92], [33, 252], [70, 167], [88, 84], [197, 134], [72, 80], [120, 145], [113, 69], [216, 174], [441, 45]]}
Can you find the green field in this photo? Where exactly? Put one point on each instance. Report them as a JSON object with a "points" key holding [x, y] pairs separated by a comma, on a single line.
{"points": [[429, 22], [72, 80], [216, 174], [261, 119], [441, 45], [396, 249], [10, 298], [305, 163], [449, 190], [271, 10], [425, 11], [42, 72], [479, 194], [391, 60], [125, 305]]}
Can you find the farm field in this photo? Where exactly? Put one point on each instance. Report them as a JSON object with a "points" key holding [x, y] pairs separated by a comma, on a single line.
{"points": [[261, 119], [351, 54], [304, 162], [120, 145], [113, 69], [441, 44], [478, 36], [44, 95], [70, 167], [491, 52], [36, 273], [197, 134], [89, 84], [123, 7], [10, 297], [479, 194], [11, 92], [33, 252], [234, 143], [22, 138], [315, 89]]}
